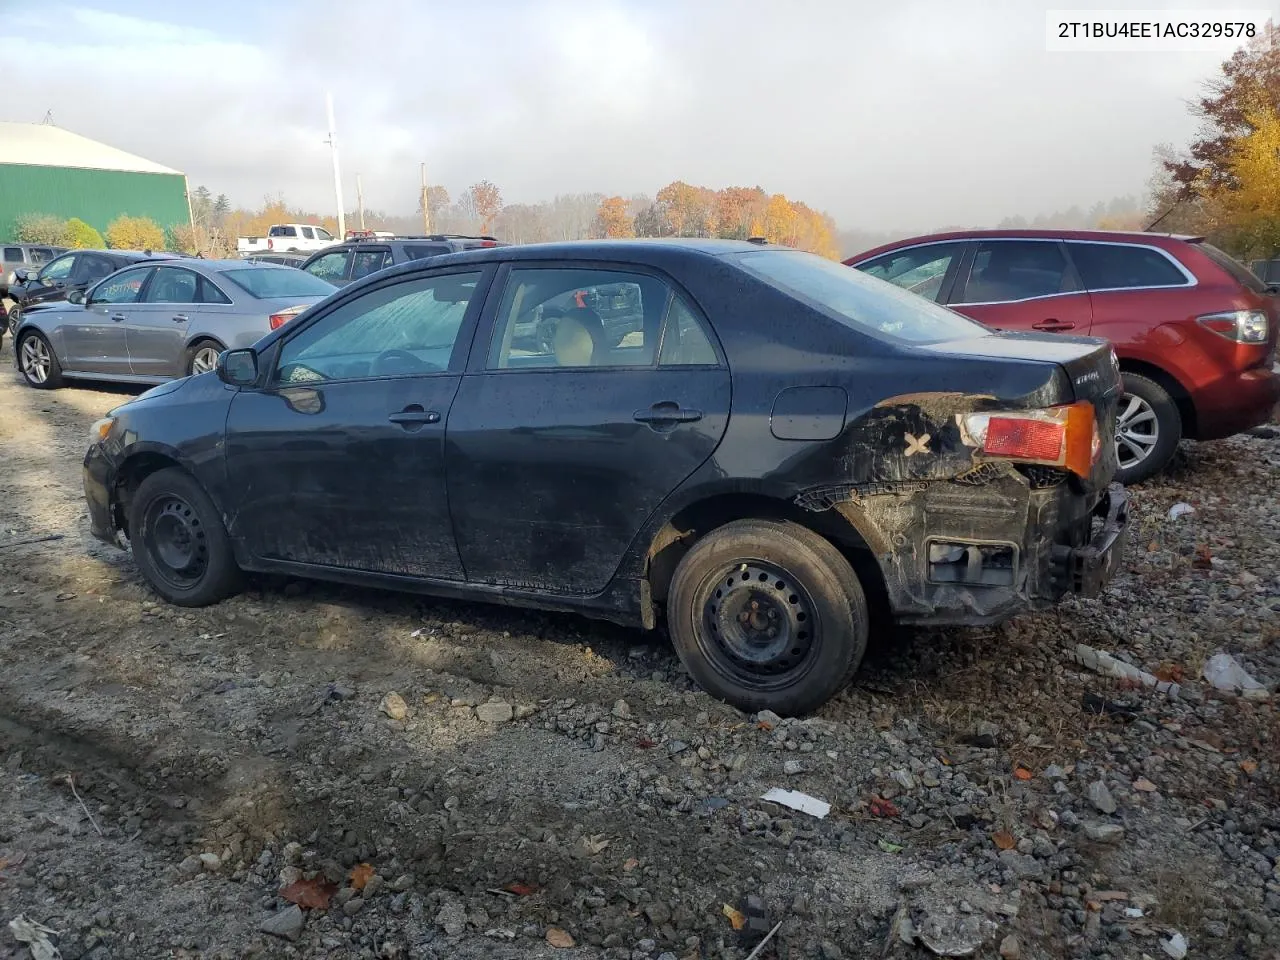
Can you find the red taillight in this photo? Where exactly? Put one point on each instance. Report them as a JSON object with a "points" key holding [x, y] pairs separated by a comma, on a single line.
{"points": [[488, 243], [271, 244], [278, 320], [1065, 436]]}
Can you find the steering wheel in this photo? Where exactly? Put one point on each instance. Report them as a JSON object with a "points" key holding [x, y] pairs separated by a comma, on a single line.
{"points": [[394, 354]]}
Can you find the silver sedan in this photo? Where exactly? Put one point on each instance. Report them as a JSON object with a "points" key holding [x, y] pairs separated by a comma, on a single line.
{"points": [[158, 321]]}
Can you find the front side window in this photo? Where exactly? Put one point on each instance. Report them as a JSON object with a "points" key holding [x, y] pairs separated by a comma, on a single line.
{"points": [[331, 266], [918, 269], [323, 234], [405, 329], [1007, 270], [171, 285], [58, 269], [365, 262], [1113, 266], [308, 233], [552, 318], [856, 300], [122, 287]]}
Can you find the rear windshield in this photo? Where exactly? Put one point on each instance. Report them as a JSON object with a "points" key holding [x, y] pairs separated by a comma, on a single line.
{"points": [[1234, 267], [266, 281], [858, 300]]}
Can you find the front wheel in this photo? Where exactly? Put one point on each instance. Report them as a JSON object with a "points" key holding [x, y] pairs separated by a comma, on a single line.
{"points": [[179, 542], [1148, 428], [15, 314], [37, 361], [768, 615]]}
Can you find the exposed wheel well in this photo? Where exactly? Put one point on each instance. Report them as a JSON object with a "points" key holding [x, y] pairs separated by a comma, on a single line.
{"points": [[698, 519], [1186, 406], [131, 474]]}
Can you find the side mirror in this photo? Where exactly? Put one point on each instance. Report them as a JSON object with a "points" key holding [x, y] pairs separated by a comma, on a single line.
{"points": [[75, 296], [238, 368], [1273, 288], [23, 274]]}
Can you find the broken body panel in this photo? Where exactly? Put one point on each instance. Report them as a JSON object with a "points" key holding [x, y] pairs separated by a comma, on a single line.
{"points": [[858, 435]]}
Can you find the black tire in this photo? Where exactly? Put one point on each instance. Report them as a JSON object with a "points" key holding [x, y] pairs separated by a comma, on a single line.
{"points": [[179, 542], [780, 576], [15, 312], [37, 341], [1147, 421], [193, 351]]}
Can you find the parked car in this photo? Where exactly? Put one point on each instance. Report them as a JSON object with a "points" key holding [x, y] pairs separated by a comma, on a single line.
{"points": [[152, 322], [785, 448], [1268, 271], [361, 256], [1194, 330], [22, 256], [76, 270], [280, 259], [287, 238]]}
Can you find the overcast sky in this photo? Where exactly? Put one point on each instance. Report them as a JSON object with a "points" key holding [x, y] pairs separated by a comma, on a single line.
{"points": [[889, 115]]}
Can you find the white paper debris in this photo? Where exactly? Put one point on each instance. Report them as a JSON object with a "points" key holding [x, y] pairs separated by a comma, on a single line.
{"points": [[1180, 510], [1133, 913], [798, 801], [1224, 672], [1175, 946], [36, 936]]}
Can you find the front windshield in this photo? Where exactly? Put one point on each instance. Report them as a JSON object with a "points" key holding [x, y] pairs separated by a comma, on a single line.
{"points": [[857, 300], [265, 281]]}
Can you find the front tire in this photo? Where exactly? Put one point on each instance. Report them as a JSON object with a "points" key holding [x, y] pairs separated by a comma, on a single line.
{"points": [[766, 614], [179, 542], [38, 362], [1148, 429]]}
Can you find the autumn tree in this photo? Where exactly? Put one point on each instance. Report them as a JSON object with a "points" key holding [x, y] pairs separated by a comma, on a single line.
{"points": [[612, 219], [40, 228], [135, 233], [1247, 85], [486, 200], [78, 235]]}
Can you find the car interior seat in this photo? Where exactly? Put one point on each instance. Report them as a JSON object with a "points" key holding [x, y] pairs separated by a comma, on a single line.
{"points": [[579, 339]]}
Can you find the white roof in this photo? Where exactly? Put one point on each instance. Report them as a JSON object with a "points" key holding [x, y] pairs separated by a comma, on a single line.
{"points": [[44, 145]]}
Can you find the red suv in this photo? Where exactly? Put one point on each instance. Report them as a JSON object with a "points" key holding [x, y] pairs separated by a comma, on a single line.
{"points": [[1195, 331]]}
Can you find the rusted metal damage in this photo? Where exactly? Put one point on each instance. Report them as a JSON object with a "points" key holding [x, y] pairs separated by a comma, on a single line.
{"points": [[901, 499]]}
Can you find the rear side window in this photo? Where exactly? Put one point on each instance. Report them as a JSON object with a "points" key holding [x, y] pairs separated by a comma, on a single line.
{"points": [[420, 251], [856, 300], [1234, 267], [13, 254], [209, 293], [684, 342], [94, 268], [1007, 270], [282, 232], [918, 269], [365, 262], [1112, 266]]}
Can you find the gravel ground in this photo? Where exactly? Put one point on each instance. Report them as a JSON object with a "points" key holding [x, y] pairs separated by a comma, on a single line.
{"points": [[527, 785]]}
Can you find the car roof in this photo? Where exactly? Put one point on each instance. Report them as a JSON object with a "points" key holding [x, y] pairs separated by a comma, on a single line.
{"points": [[1098, 236], [646, 250]]}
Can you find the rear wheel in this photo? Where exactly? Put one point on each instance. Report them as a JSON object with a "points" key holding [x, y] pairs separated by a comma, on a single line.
{"points": [[15, 313], [179, 542], [1148, 428], [768, 615], [202, 357], [37, 361]]}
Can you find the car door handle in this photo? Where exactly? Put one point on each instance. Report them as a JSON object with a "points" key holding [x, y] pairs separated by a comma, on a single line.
{"points": [[414, 414], [117, 317], [1053, 326], [180, 318], [667, 412]]}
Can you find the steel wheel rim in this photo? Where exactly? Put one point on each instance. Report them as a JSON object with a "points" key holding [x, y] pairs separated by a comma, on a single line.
{"points": [[36, 361], [1137, 431], [759, 627], [205, 360], [175, 541], [14, 313]]}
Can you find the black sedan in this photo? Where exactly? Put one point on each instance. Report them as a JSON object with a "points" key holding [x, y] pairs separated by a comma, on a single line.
{"points": [[783, 450], [74, 270]]}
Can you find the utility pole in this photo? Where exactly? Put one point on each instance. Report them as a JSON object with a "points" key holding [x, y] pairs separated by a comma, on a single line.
{"points": [[426, 213], [337, 177], [360, 201]]}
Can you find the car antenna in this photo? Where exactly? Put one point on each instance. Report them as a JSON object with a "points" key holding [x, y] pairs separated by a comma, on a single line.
{"points": [[1147, 228]]}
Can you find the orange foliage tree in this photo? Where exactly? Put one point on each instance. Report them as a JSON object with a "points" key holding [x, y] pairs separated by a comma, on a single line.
{"points": [[613, 220]]}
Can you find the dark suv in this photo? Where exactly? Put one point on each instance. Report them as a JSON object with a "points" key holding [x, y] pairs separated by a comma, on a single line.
{"points": [[361, 256]]}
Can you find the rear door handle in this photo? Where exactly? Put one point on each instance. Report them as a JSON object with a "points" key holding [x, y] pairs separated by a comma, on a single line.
{"points": [[414, 414], [667, 412], [117, 317], [1053, 326], [180, 318]]}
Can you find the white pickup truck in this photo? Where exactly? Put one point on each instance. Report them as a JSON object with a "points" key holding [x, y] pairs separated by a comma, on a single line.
{"points": [[287, 238]]}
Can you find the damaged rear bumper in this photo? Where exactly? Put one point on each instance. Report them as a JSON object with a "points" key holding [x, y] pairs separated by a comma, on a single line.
{"points": [[955, 553]]}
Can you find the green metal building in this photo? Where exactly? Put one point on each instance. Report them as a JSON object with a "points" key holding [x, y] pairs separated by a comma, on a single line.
{"points": [[45, 169]]}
